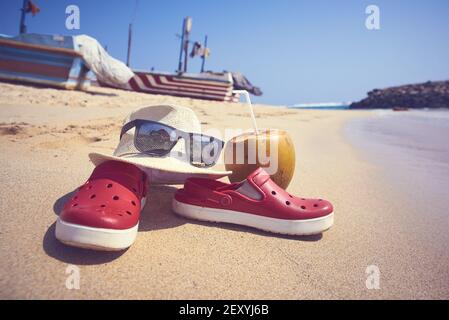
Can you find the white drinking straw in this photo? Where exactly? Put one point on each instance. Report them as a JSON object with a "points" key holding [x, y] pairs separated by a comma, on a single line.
{"points": [[248, 102]]}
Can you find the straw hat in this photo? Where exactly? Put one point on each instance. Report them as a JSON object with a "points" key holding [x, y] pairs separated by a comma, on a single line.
{"points": [[168, 169]]}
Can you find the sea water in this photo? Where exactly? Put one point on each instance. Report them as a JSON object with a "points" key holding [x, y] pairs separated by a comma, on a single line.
{"points": [[413, 149], [323, 106]]}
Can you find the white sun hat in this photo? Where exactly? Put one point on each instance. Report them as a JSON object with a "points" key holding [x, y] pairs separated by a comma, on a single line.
{"points": [[167, 169]]}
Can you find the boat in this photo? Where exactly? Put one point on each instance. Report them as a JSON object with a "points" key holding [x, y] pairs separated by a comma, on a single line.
{"points": [[205, 85], [38, 59]]}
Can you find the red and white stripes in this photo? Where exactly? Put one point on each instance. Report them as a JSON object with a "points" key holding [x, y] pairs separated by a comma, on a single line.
{"points": [[184, 86]]}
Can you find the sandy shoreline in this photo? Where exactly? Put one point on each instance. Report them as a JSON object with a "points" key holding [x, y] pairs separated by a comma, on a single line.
{"points": [[45, 136]]}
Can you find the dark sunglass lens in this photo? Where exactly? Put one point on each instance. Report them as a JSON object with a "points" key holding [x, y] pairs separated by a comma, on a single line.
{"points": [[205, 150], [154, 138]]}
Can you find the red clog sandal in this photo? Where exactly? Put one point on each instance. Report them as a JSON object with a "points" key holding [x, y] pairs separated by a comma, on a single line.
{"points": [[104, 213], [256, 202]]}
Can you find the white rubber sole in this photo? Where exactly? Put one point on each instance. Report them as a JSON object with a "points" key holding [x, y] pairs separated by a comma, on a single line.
{"points": [[95, 238], [289, 227], [76, 235]]}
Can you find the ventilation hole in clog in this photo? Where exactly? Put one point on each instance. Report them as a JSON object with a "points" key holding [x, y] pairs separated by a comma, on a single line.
{"points": [[303, 198], [89, 187], [303, 207], [74, 205], [273, 193], [119, 214], [315, 205], [103, 206], [290, 196], [115, 198], [92, 196], [75, 197], [133, 203], [129, 213], [109, 186], [287, 203], [320, 199], [134, 189]]}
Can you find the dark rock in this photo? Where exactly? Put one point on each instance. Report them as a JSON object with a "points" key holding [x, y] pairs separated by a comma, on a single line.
{"points": [[423, 95]]}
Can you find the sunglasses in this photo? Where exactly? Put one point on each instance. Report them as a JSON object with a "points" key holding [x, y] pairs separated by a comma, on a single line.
{"points": [[158, 139]]}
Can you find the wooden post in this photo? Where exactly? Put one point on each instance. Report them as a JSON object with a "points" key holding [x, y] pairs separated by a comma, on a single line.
{"points": [[204, 54], [187, 29], [23, 27], [128, 56], [182, 47], [186, 51]]}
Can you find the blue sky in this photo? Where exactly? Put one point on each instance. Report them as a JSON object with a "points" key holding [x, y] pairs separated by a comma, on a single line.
{"points": [[296, 51]]}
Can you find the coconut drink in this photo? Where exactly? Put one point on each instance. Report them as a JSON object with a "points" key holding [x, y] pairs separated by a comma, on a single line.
{"points": [[271, 149]]}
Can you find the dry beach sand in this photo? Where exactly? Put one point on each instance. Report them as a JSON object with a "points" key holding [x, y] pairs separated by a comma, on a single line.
{"points": [[46, 134]]}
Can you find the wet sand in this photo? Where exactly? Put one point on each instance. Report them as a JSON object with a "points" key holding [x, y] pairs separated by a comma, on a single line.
{"points": [[46, 134], [413, 150]]}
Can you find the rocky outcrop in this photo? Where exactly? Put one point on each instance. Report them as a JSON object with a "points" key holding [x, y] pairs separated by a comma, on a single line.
{"points": [[424, 95]]}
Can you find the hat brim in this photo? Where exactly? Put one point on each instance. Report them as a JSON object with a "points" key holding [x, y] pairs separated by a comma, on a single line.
{"points": [[166, 170]]}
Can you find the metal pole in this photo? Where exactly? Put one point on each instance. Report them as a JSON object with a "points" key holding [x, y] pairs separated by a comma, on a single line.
{"points": [[130, 33], [204, 54], [182, 47], [23, 27]]}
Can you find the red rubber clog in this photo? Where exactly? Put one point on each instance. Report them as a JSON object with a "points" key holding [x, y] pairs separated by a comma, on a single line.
{"points": [[256, 202], [104, 213]]}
